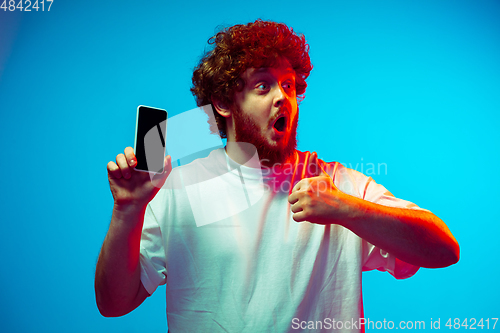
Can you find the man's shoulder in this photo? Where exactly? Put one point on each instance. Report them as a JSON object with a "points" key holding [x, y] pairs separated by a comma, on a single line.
{"points": [[206, 159], [197, 170], [330, 167]]}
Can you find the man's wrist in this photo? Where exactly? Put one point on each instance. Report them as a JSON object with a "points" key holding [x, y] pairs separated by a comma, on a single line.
{"points": [[355, 210], [126, 213]]}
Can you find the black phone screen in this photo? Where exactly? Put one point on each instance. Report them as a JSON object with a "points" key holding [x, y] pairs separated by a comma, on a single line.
{"points": [[150, 138]]}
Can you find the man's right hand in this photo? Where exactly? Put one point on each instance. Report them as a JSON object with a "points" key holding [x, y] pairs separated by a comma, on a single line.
{"points": [[118, 284], [131, 187]]}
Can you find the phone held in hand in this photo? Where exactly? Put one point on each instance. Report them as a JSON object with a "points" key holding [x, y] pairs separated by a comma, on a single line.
{"points": [[150, 135]]}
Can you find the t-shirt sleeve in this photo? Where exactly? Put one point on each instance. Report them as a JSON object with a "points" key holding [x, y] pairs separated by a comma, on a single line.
{"points": [[379, 194], [374, 257], [152, 253]]}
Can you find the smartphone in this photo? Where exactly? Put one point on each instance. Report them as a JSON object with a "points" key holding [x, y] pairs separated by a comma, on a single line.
{"points": [[150, 135]]}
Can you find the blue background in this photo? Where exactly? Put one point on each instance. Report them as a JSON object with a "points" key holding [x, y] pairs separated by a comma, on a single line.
{"points": [[412, 84]]}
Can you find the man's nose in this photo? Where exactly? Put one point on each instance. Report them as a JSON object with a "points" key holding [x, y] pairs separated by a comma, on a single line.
{"points": [[280, 96]]}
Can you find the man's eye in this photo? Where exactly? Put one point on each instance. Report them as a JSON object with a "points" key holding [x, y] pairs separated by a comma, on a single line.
{"points": [[262, 86]]}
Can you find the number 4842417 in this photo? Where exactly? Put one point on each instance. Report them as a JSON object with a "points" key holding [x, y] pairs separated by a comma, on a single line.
{"points": [[26, 5], [472, 323]]}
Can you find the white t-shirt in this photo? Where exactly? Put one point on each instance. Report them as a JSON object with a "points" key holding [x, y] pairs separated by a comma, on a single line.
{"points": [[222, 237]]}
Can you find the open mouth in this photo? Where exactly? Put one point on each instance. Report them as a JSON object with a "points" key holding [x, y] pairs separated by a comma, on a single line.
{"points": [[280, 124]]}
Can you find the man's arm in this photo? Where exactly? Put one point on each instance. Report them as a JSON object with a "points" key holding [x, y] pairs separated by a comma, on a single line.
{"points": [[414, 236], [118, 284]]}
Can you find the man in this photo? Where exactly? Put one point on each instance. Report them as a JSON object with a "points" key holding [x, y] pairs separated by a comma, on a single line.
{"points": [[263, 239]]}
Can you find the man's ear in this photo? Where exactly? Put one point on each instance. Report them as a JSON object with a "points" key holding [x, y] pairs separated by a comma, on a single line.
{"points": [[221, 108]]}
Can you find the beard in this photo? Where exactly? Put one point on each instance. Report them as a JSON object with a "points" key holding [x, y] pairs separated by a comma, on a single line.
{"points": [[269, 155]]}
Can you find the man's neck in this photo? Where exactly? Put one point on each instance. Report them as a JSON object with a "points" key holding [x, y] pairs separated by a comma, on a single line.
{"points": [[246, 154], [243, 153]]}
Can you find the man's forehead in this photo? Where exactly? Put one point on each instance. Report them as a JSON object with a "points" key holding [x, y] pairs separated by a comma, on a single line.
{"points": [[283, 68], [286, 69]]}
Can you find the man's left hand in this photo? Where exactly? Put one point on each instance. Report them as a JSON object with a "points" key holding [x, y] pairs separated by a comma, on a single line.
{"points": [[317, 199]]}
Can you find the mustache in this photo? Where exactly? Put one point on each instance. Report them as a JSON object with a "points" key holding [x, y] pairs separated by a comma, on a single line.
{"points": [[282, 112]]}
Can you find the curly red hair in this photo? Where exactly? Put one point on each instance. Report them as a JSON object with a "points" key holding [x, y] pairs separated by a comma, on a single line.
{"points": [[237, 48]]}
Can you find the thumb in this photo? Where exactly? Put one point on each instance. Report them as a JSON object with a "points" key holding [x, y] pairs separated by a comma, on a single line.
{"points": [[158, 179], [313, 167]]}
